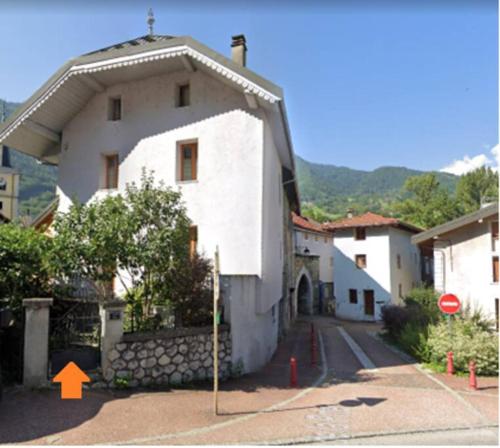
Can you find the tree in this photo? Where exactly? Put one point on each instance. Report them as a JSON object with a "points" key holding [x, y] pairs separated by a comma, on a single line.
{"points": [[475, 187], [141, 238], [428, 204], [24, 265]]}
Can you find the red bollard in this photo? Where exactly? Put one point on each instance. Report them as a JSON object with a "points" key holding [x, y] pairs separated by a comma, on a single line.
{"points": [[449, 368], [472, 376], [293, 372]]}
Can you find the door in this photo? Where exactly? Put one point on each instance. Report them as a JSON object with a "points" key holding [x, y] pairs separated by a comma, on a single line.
{"points": [[369, 297]]}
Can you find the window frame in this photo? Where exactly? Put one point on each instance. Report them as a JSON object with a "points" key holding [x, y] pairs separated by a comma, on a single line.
{"points": [[112, 100], [179, 97], [357, 237], [107, 158], [353, 296], [361, 257], [194, 162]]}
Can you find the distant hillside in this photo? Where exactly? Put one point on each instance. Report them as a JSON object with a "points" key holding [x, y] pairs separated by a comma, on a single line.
{"points": [[334, 189], [38, 181]]}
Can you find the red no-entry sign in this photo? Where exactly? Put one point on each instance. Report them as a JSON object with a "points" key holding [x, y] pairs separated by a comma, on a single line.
{"points": [[449, 304]]}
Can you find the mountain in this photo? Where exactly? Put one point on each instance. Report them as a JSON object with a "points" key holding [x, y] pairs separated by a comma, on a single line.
{"points": [[37, 185], [334, 189]]}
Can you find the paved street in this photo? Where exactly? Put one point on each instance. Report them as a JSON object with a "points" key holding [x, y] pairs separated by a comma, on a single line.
{"points": [[359, 393]]}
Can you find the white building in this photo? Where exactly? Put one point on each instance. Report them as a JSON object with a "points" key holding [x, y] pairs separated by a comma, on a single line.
{"points": [[375, 264], [314, 265], [466, 252], [205, 124]]}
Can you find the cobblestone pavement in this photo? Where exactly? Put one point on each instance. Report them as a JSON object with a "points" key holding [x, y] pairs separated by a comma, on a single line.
{"points": [[337, 401]]}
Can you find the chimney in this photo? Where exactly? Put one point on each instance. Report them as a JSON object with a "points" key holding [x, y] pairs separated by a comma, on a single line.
{"points": [[239, 50], [350, 213]]}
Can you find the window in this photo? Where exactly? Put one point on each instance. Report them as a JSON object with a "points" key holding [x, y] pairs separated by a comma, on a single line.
{"points": [[188, 161], [360, 233], [400, 291], [115, 109], [353, 296], [495, 269], [494, 235], [316, 238], [361, 261], [3, 184], [331, 261], [306, 236], [111, 171], [1, 205], [326, 239], [193, 240], [183, 96], [398, 261], [496, 313]]}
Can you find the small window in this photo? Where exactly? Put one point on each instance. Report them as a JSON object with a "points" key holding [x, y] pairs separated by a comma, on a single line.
{"points": [[183, 96], [495, 269], [306, 236], [115, 109], [193, 240], [361, 261], [360, 233], [353, 296], [111, 171], [316, 238], [3, 184], [188, 161], [331, 261], [1, 205], [398, 261], [494, 236], [400, 291]]}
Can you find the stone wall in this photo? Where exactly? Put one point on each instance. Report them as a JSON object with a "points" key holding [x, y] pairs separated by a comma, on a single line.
{"points": [[168, 357]]}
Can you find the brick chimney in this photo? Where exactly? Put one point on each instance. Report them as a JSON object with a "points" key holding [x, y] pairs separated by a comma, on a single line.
{"points": [[239, 50]]}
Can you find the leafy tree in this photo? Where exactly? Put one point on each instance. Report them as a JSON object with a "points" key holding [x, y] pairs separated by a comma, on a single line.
{"points": [[475, 187], [428, 204], [24, 265], [141, 238]]}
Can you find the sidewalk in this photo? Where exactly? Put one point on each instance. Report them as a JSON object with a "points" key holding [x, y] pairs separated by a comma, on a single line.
{"points": [[104, 416]]}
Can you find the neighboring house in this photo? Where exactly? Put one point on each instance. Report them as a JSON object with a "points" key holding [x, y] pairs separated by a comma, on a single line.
{"points": [[206, 125], [43, 222], [466, 252], [375, 264], [9, 186], [313, 266]]}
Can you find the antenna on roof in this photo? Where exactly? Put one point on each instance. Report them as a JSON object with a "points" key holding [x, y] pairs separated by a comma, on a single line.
{"points": [[151, 21]]}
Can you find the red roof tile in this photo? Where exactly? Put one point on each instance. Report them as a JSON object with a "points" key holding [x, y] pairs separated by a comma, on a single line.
{"points": [[368, 219], [307, 223]]}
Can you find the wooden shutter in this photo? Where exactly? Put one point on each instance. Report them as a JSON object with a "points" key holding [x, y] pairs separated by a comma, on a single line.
{"points": [[189, 161], [193, 240], [111, 180], [495, 269]]}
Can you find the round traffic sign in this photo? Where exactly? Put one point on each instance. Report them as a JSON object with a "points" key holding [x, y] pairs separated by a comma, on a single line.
{"points": [[449, 304]]}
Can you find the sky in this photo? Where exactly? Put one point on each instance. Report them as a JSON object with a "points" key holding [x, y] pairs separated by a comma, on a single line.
{"points": [[367, 83]]}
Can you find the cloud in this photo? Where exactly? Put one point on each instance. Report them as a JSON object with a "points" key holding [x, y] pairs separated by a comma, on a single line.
{"points": [[463, 166]]}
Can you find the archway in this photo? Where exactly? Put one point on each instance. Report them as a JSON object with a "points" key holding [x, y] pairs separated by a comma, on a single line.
{"points": [[304, 295]]}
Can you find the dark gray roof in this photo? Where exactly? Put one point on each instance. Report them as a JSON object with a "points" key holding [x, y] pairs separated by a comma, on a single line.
{"points": [[485, 212], [143, 40]]}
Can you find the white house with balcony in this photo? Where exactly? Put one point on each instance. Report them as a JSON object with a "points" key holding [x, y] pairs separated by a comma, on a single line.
{"points": [[375, 264], [205, 124], [466, 253]]}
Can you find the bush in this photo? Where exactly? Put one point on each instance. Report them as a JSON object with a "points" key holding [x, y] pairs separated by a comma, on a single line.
{"points": [[395, 318], [422, 304], [469, 340], [412, 339]]}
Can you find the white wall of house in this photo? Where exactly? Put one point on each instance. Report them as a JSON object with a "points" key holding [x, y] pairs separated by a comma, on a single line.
{"points": [[408, 275], [318, 244], [463, 265], [235, 202], [382, 275], [376, 276]]}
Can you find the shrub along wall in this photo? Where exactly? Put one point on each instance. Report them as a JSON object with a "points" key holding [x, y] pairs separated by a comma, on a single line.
{"points": [[173, 357]]}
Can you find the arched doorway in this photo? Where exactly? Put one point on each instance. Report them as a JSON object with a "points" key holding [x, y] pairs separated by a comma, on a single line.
{"points": [[304, 295]]}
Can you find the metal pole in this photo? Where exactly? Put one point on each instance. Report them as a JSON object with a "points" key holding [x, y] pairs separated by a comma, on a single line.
{"points": [[216, 329]]}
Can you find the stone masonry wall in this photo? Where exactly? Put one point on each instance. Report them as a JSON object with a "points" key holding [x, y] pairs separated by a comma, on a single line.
{"points": [[169, 357]]}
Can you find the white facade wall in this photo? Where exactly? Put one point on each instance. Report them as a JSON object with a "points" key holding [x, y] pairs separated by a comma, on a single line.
{"points": [[463, 265], [381, 247], [235, 202], [408, 276], [318, 244]]}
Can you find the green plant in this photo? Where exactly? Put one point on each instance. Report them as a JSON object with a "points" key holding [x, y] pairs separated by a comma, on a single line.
{"points": [[121, 382], [413, 338], [395, 318], [468, 340], [422, 305]]}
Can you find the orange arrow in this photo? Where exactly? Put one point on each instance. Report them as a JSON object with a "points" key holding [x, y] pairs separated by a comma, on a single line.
{"points": [[71, 378]]}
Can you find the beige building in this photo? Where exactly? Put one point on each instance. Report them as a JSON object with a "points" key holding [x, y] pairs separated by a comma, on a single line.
{"points": [[9, 186]]}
